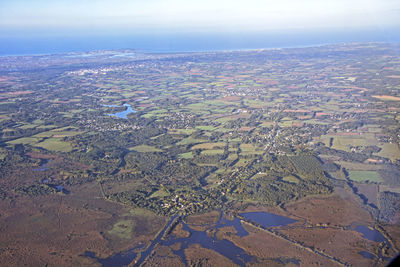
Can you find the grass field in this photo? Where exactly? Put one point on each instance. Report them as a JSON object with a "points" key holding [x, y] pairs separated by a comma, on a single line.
{"points": [[249, 149], [242, 163], [224, 119], [181, 131], [208, 145], [223, 130], [255, 103], [55, 144], [232, 157], [344, 143], [390, 151], [122, 229], [187, 155], [160, 193], [27, 126], [24, 141], [267, 124], [364, 176], [57, 133], [290, 179], [156, 113]]}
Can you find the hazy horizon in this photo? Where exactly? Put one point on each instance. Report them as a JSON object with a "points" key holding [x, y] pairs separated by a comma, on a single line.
{"points": [[45, 26]]}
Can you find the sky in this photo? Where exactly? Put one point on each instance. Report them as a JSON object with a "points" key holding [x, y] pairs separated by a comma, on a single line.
{"points": [[139, 16]]}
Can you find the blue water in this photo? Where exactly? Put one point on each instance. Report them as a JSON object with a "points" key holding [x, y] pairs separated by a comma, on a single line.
{"points": [[369, 234], [120, 259], [147, 252], [236, 223], [124, 114], [110, 106], [24, 44], [223, 247], [266, 219]]}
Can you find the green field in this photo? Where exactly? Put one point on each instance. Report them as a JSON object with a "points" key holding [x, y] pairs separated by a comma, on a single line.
{"points": [[122, 229], [208, 145], [145, 148], [187, 155], [291, 179], [24, 141], [160, 193], [55, 144], [181, 131], [57, 133], [365, 176], [345, 142], [249, 149], [390, 151]]}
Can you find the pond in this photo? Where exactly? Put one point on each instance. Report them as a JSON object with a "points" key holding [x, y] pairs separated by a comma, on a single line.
{"points": [[266, 219], [370, 234], [121, 259]]}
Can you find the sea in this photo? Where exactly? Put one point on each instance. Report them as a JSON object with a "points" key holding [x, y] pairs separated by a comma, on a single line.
{"points": [[164, 42]]}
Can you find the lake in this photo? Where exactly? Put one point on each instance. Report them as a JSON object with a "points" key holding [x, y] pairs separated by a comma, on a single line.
{"points": [[122, 114], [266, 219]]}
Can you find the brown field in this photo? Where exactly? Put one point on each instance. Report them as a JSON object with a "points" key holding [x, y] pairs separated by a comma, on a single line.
{"points": [[297, 110], [370, 191], [59, 228], [390, 188], [196, 221], [271, 209], [179, 232], [246, 129], [338, 209], [262, 244], [41, 156], [394, 232], [209, 257], [162, 256], [343, 244], [387, 97], [16, 93], [360, 166]]}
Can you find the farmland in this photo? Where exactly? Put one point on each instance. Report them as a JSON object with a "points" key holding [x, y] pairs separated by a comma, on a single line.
{"points": [[307, 133]]}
